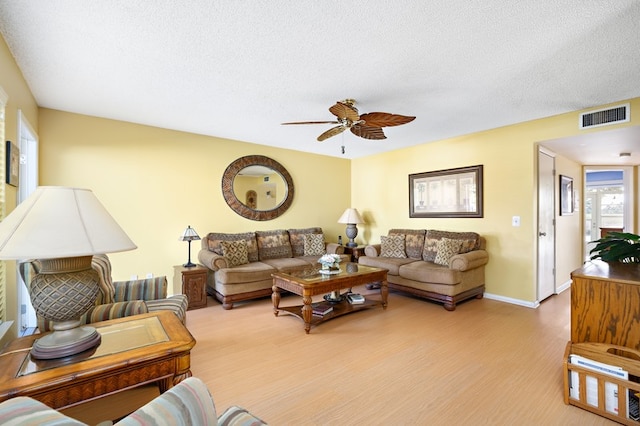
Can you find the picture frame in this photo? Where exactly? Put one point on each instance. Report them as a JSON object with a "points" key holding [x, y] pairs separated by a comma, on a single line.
{"points": [[447, 193], [12, 165], [566, 195]]}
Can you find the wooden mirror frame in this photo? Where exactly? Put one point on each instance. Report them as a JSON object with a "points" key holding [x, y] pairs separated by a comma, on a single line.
{"points": [[237, 206]]}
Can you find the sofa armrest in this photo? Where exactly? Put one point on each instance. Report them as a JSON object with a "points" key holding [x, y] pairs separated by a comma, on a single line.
{"points": [[188, 402], [470, 260], [334, 248], [98, 313], [372, 250], [212, 260], [144, 289]]}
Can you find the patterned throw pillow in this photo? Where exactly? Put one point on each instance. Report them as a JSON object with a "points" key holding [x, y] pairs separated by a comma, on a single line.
{"points": [[392, 246], [313, 244], [235, 252], [447, 248]]}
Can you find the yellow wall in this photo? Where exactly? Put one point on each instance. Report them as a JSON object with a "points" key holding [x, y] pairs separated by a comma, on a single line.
{"points": [[20, 99], [155, 182], [379, 185]]}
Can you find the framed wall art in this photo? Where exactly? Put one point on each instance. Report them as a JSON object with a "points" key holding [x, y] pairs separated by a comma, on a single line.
{"points": [[566, 195], [12, 163], [446, 193]]}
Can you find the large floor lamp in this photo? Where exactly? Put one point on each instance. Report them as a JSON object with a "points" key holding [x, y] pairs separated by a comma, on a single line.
{"points": [[62, 228]]}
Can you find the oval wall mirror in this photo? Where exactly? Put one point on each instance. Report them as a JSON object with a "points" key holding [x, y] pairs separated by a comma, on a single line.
{"points": [[257, 187]]}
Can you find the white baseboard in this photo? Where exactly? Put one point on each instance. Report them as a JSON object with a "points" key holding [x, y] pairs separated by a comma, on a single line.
{"points": [[512, 301], [564, 286]]}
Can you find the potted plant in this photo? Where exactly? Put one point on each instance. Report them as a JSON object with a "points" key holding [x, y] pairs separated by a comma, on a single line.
{"points": [[617, 247]]}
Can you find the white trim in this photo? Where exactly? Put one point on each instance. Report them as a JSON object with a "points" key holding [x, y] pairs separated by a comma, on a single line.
{"points": [[518, 302]]}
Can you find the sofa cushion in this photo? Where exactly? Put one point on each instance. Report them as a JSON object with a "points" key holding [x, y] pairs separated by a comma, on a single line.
{"points": [[235, 252], [447, 248], [296, 239], [392, 246], [288, 264], [314, 245], [250, 272], [273, 244], [470, 241], [392, 264], [214, 239], [413, 241], [428, 272]]}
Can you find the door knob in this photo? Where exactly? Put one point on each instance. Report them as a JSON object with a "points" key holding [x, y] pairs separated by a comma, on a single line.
{"points": [[542, 234]]}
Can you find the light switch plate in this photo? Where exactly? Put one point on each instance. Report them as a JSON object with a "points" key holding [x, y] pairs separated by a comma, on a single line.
{"points": [[515, 221]]}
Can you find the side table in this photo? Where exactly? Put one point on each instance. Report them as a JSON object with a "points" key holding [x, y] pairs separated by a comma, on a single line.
{"points": [[194, 285], [355, 252]]}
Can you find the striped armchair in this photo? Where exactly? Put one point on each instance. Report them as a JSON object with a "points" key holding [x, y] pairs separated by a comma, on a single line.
{"points": [[186, 404], [117, 299]]}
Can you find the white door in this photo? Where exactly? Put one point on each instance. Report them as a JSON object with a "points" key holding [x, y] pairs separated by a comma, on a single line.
{"points": [[546, 226]]}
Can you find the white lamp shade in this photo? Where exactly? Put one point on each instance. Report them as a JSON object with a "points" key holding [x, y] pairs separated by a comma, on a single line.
{"points": [[350, 216], [57, 222]]}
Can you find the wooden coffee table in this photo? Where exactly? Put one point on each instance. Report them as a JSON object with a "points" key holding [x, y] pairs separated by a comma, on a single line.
{"points": [[135, 351], [310, 283]]}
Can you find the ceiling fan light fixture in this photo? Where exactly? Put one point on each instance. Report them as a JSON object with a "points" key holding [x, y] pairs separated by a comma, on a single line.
{"points": [[366, 126]]}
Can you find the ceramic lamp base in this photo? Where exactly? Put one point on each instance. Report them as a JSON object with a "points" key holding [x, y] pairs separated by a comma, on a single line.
{"points": [[63, 343]]}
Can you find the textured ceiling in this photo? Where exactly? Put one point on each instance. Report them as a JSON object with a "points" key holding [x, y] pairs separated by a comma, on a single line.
{"points": [[237, 69]]}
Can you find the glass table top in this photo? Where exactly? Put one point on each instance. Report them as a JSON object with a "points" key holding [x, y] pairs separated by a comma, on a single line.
{"points": [[116, 338]]}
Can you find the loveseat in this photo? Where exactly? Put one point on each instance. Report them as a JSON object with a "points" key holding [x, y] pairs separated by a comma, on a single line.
{"points": [[442, 266], [240, 265], [186, 404]]}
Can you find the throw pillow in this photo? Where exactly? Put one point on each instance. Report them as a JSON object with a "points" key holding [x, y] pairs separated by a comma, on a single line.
{"points": [[313, 244], [392, 246], [235, 252], [447, 248]]}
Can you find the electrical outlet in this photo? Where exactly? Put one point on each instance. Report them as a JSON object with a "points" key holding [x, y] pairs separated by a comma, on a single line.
{"points": [[149, 275], [133, 277], [515, 221]]}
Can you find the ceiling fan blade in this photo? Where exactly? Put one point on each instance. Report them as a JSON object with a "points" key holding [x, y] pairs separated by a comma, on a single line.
{"points": [[383, 119], [344, 111], [368, 132], [331, 132], [312, 122]]}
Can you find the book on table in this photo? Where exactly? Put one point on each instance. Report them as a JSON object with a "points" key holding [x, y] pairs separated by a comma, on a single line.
{"points": [[355, 298], [321, 308]]}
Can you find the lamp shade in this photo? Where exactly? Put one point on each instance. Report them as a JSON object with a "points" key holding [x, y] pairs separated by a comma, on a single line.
{"points": [[58, 222], [350, 215], [189, 234]]}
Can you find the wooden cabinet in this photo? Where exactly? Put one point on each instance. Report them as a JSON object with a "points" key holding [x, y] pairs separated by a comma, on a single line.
{"points": [[605, 328], [605, 304], [194, 285]]}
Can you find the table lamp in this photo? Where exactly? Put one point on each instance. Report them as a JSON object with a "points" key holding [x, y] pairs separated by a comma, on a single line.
{"points": [[351, 217], [189, 235], [62, 228]]}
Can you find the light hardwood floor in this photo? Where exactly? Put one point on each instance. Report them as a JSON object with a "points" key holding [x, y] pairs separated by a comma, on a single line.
{"points": [[486, 363]]}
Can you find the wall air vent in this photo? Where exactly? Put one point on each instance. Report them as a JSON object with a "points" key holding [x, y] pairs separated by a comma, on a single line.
{"points": [[604, 117]]}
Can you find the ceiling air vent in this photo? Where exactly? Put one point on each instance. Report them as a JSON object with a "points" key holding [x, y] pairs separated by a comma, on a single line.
{"points": [[604, 117]]}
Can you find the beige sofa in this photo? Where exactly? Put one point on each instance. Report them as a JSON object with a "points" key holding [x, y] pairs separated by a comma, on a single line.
{"points": [[441, 266], [236, 277]]}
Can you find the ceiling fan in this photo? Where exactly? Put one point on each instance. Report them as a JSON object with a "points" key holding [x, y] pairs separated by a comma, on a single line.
{"points": [[368, 126]]}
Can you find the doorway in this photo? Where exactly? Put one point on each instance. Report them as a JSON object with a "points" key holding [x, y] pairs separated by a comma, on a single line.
{"points": [[607, 204], [28, 178]]}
